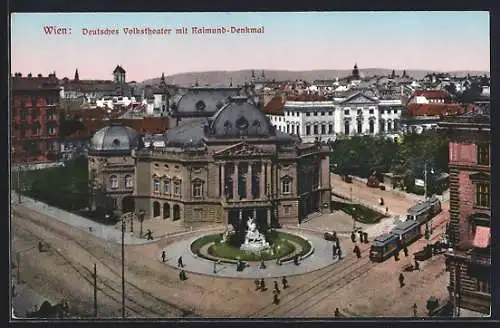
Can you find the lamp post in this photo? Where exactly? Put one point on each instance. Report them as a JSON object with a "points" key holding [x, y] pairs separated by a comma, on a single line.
{"points": [[141, 220]]}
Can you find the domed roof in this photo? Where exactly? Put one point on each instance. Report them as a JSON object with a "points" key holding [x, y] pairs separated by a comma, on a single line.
{"points": [[115, 137]]}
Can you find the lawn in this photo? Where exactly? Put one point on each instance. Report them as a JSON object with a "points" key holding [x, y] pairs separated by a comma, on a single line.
{"points": [[361, 213], [280, 247]]}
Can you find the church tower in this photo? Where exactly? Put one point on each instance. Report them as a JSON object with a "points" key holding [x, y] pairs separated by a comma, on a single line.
{"points": [[165, 98], [77, 76], [355, 72]]}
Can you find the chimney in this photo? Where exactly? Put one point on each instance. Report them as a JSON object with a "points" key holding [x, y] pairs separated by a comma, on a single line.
{"points": [[29, 75]]}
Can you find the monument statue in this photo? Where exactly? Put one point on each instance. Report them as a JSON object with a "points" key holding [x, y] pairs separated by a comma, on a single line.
{"points": [[254, 240]]}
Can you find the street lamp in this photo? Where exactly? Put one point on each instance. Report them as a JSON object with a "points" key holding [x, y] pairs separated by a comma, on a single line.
{"points": [[141, 220]]}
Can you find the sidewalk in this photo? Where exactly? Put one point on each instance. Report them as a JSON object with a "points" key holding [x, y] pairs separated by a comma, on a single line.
{"points": [[111, 233], [397, 202]]}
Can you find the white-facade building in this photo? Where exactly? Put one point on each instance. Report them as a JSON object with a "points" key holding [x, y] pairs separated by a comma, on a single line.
{"points": [[354, 115], [110, 102]]}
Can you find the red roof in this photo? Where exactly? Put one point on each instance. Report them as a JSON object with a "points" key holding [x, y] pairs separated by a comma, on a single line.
{"points": [[274, 106], [482, 237], [144, 125], [435, 109], [431, 94]]}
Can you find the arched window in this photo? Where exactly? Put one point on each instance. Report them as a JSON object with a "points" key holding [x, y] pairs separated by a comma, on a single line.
{"points": [[347, 127], [166, 210], [372, 126], [113, 182], [156, 209], [129, 181]]}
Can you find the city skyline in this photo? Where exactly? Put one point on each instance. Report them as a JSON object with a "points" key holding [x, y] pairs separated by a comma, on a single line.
{"points": [[434, 41]]}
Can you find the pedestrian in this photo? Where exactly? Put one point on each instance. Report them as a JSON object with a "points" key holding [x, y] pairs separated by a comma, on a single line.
{"points": [[357, 251], [262, 284], [381, 201], [257, 284], [401, 280], [276, 299], [276, 287], [339, 253], [334, 251], [149, 235], [405, 250], [417, 265], [163, 256], [284, 282], [353, 237], [182, 275], [179, 262], [396, 256], [386, 210], [337, 313], [365, 237]]}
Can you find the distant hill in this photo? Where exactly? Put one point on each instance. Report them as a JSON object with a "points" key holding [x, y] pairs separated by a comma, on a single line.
{"points": [[240, 77]]}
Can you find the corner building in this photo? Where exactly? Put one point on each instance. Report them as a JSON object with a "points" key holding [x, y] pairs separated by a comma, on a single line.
{"points": [[229, 166], [469, 263]]}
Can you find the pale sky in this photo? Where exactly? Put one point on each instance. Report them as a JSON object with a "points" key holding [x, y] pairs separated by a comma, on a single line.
{"points": [[434, 41]]}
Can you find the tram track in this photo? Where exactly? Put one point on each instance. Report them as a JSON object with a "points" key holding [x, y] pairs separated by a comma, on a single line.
{"points": [[105, 286], [305, 292], [134, 292], [308, 296]]}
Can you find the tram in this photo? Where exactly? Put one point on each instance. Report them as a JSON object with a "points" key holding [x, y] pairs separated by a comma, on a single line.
{"points": [[424, 211], [388, 244]]}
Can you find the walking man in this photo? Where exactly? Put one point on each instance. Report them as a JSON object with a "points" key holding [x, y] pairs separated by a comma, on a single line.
{"points": [[163, 256], [360, 236], [337, 313], [284, 282], [179, 262], [386, 210], [353, 237], [339, 253], [357, 251], [276, 287], [401, 280], [257, 284], [396, 256], [405, 250], [262, 284]]}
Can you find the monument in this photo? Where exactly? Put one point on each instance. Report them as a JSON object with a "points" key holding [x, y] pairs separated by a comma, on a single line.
{"points": [[254, 240]]}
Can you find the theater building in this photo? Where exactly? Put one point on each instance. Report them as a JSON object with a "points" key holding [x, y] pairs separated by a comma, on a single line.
{"points": [[230, 166], [469, 263]]}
